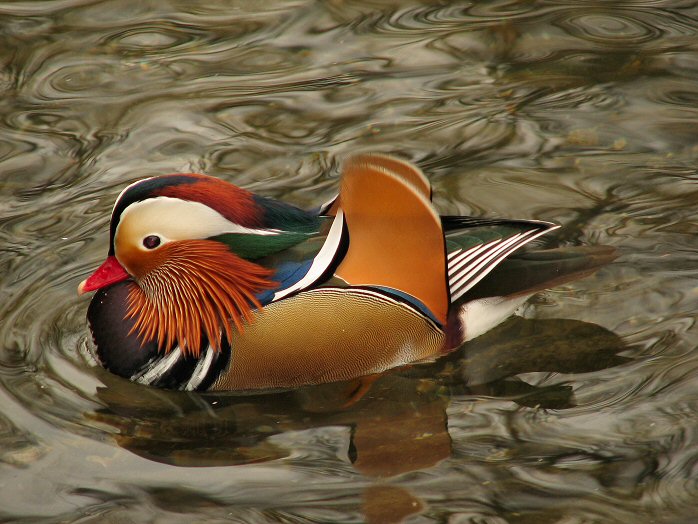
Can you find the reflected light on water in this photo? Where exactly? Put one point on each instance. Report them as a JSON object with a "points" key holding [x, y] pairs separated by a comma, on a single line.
{"points": [[580, 410]]}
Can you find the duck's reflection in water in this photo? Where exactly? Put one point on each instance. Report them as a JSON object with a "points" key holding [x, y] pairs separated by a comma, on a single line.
{"points": [[396, 423]]}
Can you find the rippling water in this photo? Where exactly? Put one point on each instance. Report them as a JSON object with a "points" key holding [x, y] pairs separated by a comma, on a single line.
{"points": [[582, 113]]}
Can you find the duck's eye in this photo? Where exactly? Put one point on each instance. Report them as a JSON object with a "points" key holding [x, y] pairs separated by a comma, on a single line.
{"points": [[151, 241]]}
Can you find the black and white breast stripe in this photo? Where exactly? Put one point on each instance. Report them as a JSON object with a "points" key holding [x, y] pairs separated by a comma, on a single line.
{"points": [[326, 257], [186, 373]]}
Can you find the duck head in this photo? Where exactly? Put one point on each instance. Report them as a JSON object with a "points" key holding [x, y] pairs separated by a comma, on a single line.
{"points": [[174, 237]]}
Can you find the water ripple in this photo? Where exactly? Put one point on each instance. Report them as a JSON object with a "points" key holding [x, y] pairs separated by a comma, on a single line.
{"points": [[582, 114], [144, 40], [610, 29]]}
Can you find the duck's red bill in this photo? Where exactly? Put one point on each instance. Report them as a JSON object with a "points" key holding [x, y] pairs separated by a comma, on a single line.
{"points": [[110, 272]]}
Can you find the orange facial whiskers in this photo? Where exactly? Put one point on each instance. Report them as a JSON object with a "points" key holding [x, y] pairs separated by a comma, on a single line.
{"points": [[194, 287]]}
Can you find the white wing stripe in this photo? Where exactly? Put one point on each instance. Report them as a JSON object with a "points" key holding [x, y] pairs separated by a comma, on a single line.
{"points": [[492, 248], [480, 262], [458, 262], [465, 284], [462, 290], [467, 256], [453, 254]]}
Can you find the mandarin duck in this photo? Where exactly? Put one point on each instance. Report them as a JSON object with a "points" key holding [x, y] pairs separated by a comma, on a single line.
{"points": [[208, 286]]}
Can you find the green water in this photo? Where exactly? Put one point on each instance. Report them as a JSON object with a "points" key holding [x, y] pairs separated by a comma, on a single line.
{"points": [[583, 113]]}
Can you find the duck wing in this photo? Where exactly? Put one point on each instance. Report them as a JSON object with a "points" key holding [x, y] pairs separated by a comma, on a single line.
{"points": [[476, 246], [528, 272], [395, 236]]}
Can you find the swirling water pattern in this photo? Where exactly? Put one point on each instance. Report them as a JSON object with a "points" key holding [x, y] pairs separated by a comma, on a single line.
{"points": [[579, 112]]}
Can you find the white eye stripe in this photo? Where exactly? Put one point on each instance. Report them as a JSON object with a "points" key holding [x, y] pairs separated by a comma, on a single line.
{"points": [[176, 219]]}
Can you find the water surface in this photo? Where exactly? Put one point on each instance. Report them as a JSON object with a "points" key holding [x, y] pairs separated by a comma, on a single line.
{"points": [[584, 410]]}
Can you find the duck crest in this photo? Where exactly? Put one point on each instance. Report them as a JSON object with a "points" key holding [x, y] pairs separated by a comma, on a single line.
{"points": [[232, 202], [197, 290]]}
